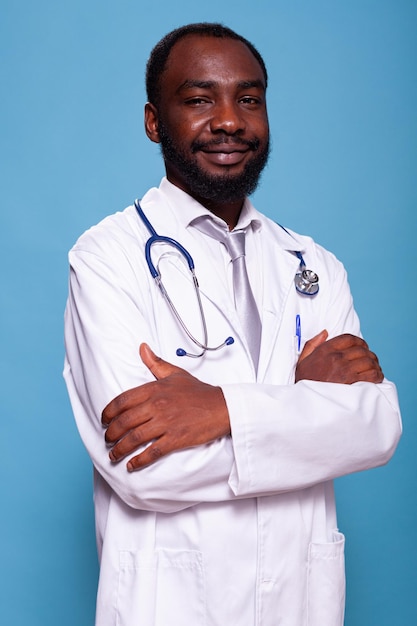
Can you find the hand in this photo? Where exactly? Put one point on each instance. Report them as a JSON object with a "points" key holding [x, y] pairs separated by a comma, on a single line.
{"points": [[174, 412], [343, 359]]}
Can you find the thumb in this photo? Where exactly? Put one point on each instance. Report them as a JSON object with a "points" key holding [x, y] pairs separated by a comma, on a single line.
{"points": [[156, 365], [312, 344]]}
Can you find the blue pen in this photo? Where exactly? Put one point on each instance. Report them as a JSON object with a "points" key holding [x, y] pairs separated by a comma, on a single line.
{"points": [[298, 332]]}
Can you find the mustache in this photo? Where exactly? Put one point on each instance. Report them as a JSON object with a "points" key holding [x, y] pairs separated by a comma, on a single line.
{"points": [[252, 144]]}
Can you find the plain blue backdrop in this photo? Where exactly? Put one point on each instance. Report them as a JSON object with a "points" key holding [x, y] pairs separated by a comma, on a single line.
{"points": [[342, 105]]}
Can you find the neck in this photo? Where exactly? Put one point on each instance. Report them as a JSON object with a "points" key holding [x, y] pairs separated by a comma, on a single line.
{"points": [[227, 211]]}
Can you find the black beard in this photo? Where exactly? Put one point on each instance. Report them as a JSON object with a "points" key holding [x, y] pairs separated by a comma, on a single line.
{"points": [[222, 188]]}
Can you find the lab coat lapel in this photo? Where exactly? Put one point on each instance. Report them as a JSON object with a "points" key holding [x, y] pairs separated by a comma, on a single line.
{"points": [[279, 267]]}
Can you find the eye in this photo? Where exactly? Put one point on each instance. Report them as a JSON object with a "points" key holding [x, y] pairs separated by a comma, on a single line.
{"points": [[250, 100], [196, 101]]}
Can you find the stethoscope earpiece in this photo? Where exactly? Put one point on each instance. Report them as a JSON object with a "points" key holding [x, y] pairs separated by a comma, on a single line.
{"points": [[181, 352]]}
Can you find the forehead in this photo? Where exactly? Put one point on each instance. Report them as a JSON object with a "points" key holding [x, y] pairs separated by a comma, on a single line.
{"points": [[207, 58]]}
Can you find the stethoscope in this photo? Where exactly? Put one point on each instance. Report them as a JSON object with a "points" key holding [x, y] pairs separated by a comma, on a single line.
{"points": [[306, 283]]}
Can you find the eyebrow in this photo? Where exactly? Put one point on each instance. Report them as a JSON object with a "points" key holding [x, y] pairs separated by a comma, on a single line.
{"points": [[210, 84]]}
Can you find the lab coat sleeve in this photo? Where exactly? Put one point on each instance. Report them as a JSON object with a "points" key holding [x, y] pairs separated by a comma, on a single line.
{"points": [[309, 432], [103, 330]]}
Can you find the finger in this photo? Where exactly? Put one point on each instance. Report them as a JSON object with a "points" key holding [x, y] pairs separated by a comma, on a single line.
{"points": [[361, 369], [361, 348], [151, 454], [366, 369], [374, 375], [312, 344], [355, 352], [126, 400], [137, 395], [126, 421], [133, 440], [158, 367]]}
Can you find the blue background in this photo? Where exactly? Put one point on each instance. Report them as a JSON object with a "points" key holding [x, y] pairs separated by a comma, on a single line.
{"points": [[342, 104]]}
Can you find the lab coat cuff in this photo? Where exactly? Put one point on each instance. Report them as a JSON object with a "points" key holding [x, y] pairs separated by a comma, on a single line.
{"points": [[240, 477]]}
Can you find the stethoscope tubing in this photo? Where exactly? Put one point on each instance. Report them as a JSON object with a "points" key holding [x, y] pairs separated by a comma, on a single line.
{"points": [[155, 238], [306, 283], [155, 273]]}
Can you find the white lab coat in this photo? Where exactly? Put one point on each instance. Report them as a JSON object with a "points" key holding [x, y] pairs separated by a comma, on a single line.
{"points": [[242, 531]]}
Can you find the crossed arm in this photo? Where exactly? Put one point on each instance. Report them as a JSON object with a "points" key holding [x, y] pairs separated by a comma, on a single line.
{"points": [[178, 411]]}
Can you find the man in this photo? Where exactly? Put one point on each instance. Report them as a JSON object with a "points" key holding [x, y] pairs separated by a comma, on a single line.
{"points": [[213, 475]]}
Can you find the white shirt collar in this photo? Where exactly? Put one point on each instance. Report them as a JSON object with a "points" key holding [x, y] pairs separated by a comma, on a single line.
{"points": [[187, 209]]}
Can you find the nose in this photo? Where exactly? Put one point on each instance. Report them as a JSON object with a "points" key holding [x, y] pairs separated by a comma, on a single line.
{"points": [[227, 118]]}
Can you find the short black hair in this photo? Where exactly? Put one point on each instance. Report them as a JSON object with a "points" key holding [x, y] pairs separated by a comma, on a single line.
{"points": [[159, 55]]}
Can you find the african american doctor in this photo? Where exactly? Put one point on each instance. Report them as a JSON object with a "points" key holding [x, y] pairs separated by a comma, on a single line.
{"points": [[213, 474]]}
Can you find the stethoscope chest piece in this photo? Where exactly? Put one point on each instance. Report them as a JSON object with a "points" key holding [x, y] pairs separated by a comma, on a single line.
{"points": [[306, 282]]}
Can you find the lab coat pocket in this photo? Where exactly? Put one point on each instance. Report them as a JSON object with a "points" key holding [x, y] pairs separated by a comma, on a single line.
{"points": [[326, 582], [161, 587]]}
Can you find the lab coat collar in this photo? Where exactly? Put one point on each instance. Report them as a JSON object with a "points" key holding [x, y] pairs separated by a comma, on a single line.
{"points": [[278, 259], [279, 265], [287, 239]]}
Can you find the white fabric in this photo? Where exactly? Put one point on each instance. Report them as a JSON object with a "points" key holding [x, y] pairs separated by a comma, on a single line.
{"points": [[242, 531]]}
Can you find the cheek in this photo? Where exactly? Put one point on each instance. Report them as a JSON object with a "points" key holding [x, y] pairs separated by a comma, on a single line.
{"points": [[257, 122], [197, 125], [186, 126], [260, 128]]}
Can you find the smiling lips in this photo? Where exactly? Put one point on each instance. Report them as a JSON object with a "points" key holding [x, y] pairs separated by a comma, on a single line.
{"points": [[225, 157], [225, 153]]}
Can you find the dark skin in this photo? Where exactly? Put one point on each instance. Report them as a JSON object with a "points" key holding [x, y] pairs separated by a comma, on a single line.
{"points": [[211, 87]]}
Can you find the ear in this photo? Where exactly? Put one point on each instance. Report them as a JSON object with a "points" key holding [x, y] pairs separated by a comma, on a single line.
{"points": [[152, 122]]}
